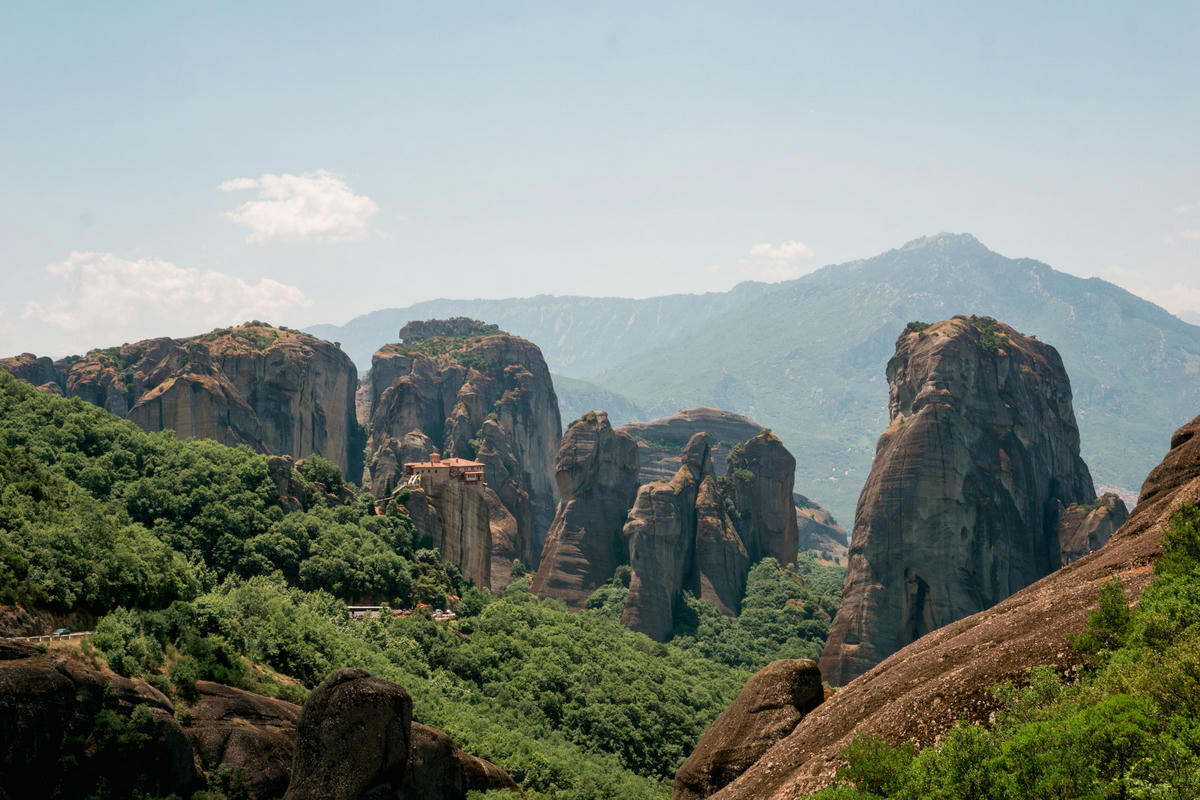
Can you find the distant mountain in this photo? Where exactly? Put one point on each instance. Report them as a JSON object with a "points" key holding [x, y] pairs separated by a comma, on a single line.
{"points": [[806, 357], [580, 336], [576, 398], [1190, 317]]}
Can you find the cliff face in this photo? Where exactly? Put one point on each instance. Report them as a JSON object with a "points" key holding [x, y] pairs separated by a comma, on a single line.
{"points": [[597, 472], [960, 508], [661, 537], [661, 441], [454, 515], [922, 690], [701, 532], [762, 472], [484, 397], [819, 532], [278, 391]]}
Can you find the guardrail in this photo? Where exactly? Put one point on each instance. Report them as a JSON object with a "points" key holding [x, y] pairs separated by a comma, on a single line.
{"points": [[52, 638]]}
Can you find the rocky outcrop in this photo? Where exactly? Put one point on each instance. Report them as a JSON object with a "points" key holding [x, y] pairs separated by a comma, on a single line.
{"points": [[922, 690], [251, 735], [277, 390], [597, 475], [682, 536], [679, 537], [762, 472], [819, 533], [959, 510], [766, 710], [454, 515], [356, 741], [439, 770], [1085, 529], [487, 397], [59, 720], [352, 739], [661, 441]]}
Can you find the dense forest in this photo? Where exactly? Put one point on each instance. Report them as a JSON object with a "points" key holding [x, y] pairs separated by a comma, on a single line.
{"points": [[205, 562]]}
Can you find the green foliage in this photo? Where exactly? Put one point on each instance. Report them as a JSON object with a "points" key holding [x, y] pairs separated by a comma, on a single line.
{"points": [[571, 705], [782, 616], [916, 326], [1127, 728], [991, 334]]}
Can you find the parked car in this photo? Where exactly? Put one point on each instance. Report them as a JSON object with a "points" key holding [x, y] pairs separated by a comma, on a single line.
{"points": [[61, 632]]}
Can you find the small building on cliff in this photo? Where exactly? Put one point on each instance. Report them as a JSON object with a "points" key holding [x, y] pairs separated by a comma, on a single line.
{"points": [[436, 471]]}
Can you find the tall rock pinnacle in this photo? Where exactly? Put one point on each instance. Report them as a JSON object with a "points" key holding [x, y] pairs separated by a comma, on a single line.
{"points": [[962, 505]]}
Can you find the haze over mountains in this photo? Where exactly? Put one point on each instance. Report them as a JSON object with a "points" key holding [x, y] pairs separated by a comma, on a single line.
{"points": [[806, 357]]}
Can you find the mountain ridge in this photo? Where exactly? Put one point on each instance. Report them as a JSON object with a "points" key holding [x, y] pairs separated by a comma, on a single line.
{"points": [[813, 367]]}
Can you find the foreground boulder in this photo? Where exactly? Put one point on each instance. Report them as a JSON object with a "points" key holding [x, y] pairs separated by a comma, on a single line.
{"points": [[597, 474], [961, 506], [70, 730], [769, 707], [251, 735], [352, 739], [439, 770], [921, 691], [277, 390]]}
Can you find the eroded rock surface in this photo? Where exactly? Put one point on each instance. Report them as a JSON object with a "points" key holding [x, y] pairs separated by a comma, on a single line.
{"points": [[56, 713], [819, 532], [922, 690], [597, 475], [252, 735], [661, 441], [352, 739], [766, 710], [487, 397], [439, 770], [279, 391], [1085, 529], [960, 508]]}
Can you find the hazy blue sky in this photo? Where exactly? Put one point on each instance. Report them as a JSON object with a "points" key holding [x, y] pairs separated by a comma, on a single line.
{"points": [[170, 168]]}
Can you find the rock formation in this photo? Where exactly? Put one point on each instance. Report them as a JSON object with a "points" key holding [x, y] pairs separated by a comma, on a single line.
{"points": [[61, 716], [439, 770], [766, 710], [762, 473], [246, 733], [356, 740], [661, 441], [700, 533], [819, 532], [925, 688], [959, 510], [487, 397], [597, 475], [454, 515], [50, 708], [352, 739], [1084, 529], [277, 390]]}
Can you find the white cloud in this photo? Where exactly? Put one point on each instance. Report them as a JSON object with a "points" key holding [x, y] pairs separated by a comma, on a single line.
{"points": [[108, 300], [784, 251], [768, 262], [312, 207], [1176, 299]]}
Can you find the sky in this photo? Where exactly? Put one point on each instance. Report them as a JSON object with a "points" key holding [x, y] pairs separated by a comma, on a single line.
{"points": [[170, 168]]}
